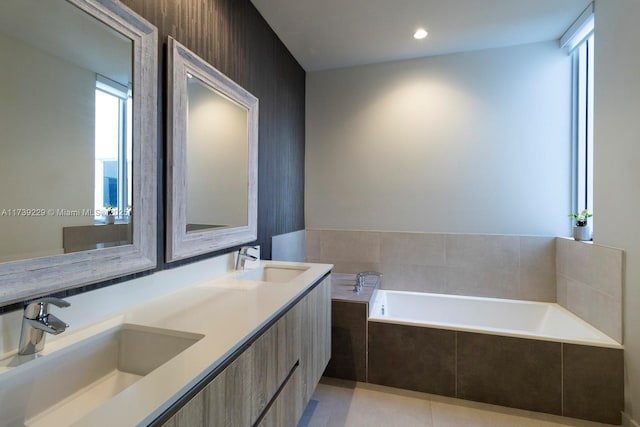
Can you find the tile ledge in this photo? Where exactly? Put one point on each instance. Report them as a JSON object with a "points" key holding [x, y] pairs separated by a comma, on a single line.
{"points": [[591, 242]]}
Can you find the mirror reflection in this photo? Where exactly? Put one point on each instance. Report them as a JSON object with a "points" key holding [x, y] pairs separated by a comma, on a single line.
{"points": [[217, 157], [66, 119], [212, 153]]}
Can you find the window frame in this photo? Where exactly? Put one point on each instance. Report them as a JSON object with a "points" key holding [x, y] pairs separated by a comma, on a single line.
{"points": [[583, 141], [124, 97]]}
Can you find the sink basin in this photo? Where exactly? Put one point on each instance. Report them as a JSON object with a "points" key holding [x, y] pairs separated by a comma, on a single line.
{"points": [[272, 274], [63, 386]]}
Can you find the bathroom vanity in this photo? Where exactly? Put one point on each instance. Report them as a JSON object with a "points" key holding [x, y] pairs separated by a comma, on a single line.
{"points": [[192, 345], [244, 348], [270, 380]]}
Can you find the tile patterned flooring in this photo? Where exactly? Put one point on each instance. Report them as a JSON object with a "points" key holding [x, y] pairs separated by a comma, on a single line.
{"points": [[339, 403]]}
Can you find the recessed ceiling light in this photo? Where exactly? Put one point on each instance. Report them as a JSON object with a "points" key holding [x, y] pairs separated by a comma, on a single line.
{"points": [[420, 34]]}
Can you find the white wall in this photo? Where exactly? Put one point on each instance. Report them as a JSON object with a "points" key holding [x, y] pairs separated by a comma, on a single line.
{"points": [[616, 157], [217, 159], [474, 142], [45, 162]]}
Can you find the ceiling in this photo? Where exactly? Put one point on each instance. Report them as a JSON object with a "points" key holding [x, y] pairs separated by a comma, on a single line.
{"points": [[330, 34]]}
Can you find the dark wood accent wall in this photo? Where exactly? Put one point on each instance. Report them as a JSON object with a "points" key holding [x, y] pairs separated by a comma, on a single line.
{"points": [[233, 37]]}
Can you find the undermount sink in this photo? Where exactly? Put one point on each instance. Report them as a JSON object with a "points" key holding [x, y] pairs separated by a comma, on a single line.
{"points": [[66, 385], [272, 274]]}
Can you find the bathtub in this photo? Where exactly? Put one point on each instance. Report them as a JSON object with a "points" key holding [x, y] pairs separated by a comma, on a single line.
{"points": [[514, 318], [522, 354]]}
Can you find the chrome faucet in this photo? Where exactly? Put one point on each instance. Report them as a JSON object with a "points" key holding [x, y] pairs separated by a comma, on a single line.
{"points": [[243, 256], [37, 321], [360, 279]]}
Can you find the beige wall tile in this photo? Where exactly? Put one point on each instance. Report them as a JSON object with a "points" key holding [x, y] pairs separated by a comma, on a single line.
{"points": [[602, 311], [484, 251], [562, 284], [350, 246], [606, 270], [538, 268], [482, 282], [576, 297], [574, 259], [417, 278], [312, 244], [353, 267], [589, 283], [588, 280], [412, 248], [479, 265], [563, 248], [538, 253], [537, 285]]}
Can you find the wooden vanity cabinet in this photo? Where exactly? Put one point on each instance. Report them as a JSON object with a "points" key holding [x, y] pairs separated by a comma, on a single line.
{"points": [[316, 338], [271, 382], [276, 357], [288, 407], [223, 401]]}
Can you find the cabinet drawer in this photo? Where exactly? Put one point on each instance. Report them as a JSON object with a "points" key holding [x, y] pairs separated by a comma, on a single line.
{"points": [[274, 355]]}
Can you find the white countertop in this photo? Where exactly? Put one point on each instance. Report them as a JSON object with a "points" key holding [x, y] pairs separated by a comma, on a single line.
{"points": [[226, 311]]}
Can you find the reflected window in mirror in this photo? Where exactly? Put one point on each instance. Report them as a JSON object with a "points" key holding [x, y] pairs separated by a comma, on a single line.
{"points": [[113, 155], [63, 97], [61, 60]]}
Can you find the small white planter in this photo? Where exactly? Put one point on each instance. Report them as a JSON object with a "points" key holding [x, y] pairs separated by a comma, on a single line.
{"points": [[111, 219], [582, 233]]}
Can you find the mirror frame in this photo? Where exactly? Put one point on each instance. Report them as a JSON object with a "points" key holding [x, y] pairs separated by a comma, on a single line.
{"points": [[24, 279], [181, 244]]}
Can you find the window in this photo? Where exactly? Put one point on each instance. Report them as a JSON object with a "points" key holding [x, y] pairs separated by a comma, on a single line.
{"points": [[112, 148], [583, 104], [579, 40]]}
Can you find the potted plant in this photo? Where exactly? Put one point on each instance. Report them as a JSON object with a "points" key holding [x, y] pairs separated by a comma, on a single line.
{"points": [[111, 218], [581, 231]]}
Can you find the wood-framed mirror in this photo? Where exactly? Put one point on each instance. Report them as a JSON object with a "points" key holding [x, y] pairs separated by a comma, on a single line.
{"points": [[212, 127], [78, 170]]}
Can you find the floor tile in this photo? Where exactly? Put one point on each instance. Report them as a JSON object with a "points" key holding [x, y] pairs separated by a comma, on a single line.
{"points": [[459, 415], [372, 407], [340, 403]]}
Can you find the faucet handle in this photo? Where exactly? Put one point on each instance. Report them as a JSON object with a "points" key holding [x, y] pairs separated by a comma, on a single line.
{"points": [[48, 323], [364, 274], [243, 250], [37, 321], [58, 302], [40, 307], [243, 255], [361, 276]]}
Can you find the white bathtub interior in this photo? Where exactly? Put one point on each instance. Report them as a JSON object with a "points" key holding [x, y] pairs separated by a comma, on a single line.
{"points": [[526, 319]]}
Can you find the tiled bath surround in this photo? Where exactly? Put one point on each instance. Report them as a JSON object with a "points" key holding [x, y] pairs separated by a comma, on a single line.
{"points": [[589, 279], [349, 315], [500, 266], [576, 381], [583, 277]]}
